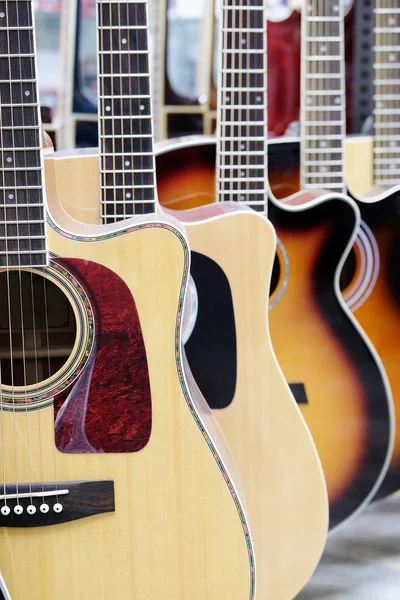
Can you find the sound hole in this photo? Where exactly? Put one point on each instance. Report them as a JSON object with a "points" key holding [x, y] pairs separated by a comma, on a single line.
{"points": [[37, 328]]}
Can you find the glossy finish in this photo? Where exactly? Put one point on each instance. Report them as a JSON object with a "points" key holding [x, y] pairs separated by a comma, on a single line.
{"points": [[370, 280], [314, 338], [276, 458]]}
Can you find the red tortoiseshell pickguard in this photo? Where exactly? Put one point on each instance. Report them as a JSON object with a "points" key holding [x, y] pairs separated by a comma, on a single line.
{"points": [[108, 408]]}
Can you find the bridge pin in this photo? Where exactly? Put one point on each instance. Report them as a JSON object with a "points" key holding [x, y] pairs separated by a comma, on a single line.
{"points": [[58, 507], [31, 509], [18, 509], [5, 511], [44, 508]]}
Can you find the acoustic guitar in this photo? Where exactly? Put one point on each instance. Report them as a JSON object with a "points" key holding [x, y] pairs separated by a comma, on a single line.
{"points": [[225, 327], [369, 280], [332, 368], [372, 283], [112, 483]]}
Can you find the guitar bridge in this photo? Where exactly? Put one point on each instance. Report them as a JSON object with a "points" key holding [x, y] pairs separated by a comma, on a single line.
{"points": [[51, 503]]}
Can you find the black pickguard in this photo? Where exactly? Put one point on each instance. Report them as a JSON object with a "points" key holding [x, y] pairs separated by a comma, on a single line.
{"points": [[211, 348]]}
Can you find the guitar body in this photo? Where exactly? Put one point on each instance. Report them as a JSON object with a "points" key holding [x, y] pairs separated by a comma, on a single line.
{"points": [[159, 519], [330, 366], [370, 282], [232, 360]]}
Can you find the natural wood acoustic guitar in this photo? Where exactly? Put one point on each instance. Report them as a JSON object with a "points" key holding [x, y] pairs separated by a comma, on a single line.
{"points": [[112, 482], [334, 372], [225, 322]]}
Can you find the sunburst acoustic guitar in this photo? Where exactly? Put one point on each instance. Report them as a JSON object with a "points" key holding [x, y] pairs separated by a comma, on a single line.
{"points": [[369, 283], [333, 370], [373, 291], [112, 485], [227, 340]]}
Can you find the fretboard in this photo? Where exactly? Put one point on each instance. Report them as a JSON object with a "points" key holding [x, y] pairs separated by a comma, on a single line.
{"points": [[387, 93], [241, 126], [22, 214], [127, 167], [323, 108]]}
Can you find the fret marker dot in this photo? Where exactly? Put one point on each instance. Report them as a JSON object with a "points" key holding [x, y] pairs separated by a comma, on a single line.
{"points": [[108, 108], [27, 93], [2, 15], [228, 99], [242, 146], [242, 174], [11, 196], [393, 143], [380, 104], [323, 144], [129, 195], [127, 163], [336, 8], [242, 198], [337, 100], [9, 159], [142, 107], [392, 57], [258, 99], [243, 41], [309, 100], [392, 20], [124, 40], [323, 169], [323, 48]]}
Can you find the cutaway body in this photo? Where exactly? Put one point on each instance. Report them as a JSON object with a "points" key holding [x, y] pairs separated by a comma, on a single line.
{"points": [[370, 281], [164, 519], [274, 452]]}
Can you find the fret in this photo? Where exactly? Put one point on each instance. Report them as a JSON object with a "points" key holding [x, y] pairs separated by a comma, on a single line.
{"points": [[387, 11], [386, 150], [241, 30], [324, 19], [127, 180], [324, 150], [328, 185]]}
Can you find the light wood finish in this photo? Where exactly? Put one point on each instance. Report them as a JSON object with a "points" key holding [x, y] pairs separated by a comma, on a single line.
{"points": [[176, 532], [359, 165], [276, 457]]}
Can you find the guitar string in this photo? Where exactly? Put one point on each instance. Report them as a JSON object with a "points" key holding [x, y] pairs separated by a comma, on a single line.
{"points": [[140, 206], [4, 470], [16, 462], [25, 201], [32, 51]]}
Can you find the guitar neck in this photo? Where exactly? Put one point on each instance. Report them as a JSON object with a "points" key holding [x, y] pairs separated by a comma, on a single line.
{"points": [[22, 213], [387, 93], [323, 102], [241, 125], [127, 169]]}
